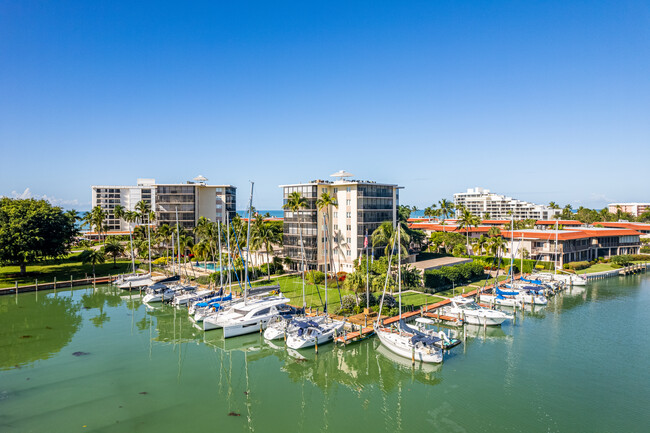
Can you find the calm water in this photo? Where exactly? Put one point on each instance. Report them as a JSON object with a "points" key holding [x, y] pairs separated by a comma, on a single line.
{"points": [[97, 361]]}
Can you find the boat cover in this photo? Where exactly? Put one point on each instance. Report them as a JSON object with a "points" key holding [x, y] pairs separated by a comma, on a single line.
{"points": [[538, 282], [504, 293]]}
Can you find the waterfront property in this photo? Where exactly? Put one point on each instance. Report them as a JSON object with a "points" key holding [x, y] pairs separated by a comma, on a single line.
{"points": [[583, 244], [192, 200], [480, 201], [362, 207]]}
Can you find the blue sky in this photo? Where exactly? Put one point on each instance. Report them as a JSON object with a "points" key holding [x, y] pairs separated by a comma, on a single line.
{"points": [[541, 100]]}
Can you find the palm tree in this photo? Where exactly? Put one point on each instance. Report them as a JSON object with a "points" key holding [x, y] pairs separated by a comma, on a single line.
{"points": [[385, 235], [94, 257], [480, 243], [494, 231], [295, 203], [164, 235], [95, 218], [496, 245], [553, 205], [446, 208], [466, 220], [266, 236], [113, 248], [201, 251], [431, 211], [324, 202]]}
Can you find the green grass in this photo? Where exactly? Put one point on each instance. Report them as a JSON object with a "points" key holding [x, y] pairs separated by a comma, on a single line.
{"points": [[464, 289], [291, 287], [418, 299], [62, 269]]}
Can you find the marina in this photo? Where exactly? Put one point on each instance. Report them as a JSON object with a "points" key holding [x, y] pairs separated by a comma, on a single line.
{"points": [[133, 367]]}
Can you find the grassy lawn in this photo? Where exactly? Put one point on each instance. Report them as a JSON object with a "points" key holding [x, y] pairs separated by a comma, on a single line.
{"points": [[464, 289], [419, 299], [291, 287], [62, 270]]}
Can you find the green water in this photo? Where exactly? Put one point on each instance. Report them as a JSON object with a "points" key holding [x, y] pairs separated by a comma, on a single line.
{"points": [[581, 364]]}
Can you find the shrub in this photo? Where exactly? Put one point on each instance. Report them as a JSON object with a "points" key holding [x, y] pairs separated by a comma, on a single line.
{"points": [[160, 261], [362, 299], [576, 266], [623, 260]]}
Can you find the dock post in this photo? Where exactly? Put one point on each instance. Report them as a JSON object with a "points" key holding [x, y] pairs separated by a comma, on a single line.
{"points": [[316, 345], [261, 327], [413, 355], [55, 284], [37, 284], [70, 283], [94, 280], [16, 291]]}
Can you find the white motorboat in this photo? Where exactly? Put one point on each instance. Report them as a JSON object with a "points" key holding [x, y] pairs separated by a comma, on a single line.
{"points": [[568, 279], [308, 333], [469, 311], [160, 292], [184, 298], [279, 326], [134, 281], [514, 297], [245, 316]]}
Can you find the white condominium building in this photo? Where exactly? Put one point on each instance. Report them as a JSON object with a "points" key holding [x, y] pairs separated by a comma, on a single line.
{"points": [[480, 201], [192, 200], [362, 206]]}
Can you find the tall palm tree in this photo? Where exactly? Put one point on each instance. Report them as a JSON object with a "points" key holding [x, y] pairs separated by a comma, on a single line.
{"points": [[385, 235], [480, 243], [446, 208], [266, 236], [96, 218], [295, 203], [164, 235], [466, 221], [431, 211], [324, 203]]}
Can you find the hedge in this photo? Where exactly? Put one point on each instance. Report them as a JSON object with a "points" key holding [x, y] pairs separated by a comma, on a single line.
{"points": [[528, 266], [576, 266], [445, 276]]}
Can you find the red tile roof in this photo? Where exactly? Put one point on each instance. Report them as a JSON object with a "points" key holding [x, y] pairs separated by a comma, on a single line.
{"points": [[560, 222]]}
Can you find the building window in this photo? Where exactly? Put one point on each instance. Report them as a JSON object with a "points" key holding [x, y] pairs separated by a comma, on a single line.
{"points": [[348, 189], [348, 227], [348, 253], [348, 214], [336, 190], [336, 214], [348, 240], [348, 202]]}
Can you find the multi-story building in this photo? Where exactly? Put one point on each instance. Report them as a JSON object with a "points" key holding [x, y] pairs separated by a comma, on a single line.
{"points": [[572, 244], [480, 201], [192, 200], [361, 207], [635, 209]]}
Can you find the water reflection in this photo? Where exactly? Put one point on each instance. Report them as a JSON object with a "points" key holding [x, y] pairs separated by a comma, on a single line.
{"points": [[32, 329]]}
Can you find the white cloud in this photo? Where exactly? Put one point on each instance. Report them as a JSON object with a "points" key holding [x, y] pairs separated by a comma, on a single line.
{"points": [[55, 201]]}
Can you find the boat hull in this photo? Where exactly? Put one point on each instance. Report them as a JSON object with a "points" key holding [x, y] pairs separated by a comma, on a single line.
{"points": [[391, 341]]}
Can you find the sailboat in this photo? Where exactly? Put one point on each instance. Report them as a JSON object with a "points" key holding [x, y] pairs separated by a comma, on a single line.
{"points": [[402, 339], [247, 316], [306, 332]]}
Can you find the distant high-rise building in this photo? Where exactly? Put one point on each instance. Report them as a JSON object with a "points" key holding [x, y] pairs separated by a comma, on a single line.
{"points": [[635, 209], [192, 200], [480, 201], [362, 207]]}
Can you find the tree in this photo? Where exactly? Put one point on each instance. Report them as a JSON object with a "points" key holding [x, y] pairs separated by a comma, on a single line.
{"points": [[480, 243], [567, 212], [496, 245], [95, 218], [265, 236], [385, 235], [431, 211], [324, 203], [494, 231], [295, 203], [93, 257], [32, 230], [466, 220], [113, 248], [446, 208]]}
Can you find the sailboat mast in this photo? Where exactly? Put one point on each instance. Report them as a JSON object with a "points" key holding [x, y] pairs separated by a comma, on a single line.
{"points": [[178, 240], [367, 273], [149, 240], [230, 266], [325, 254], [220, 262], [248, 242], [556, 230], [512, 247], [399, 268]]}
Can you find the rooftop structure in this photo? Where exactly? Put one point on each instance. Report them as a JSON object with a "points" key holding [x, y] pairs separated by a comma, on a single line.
{"points": [[362, 207], [482, 202]]}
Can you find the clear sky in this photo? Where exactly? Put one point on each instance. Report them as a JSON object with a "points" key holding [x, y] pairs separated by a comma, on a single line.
{"points": [[541, 100]]}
